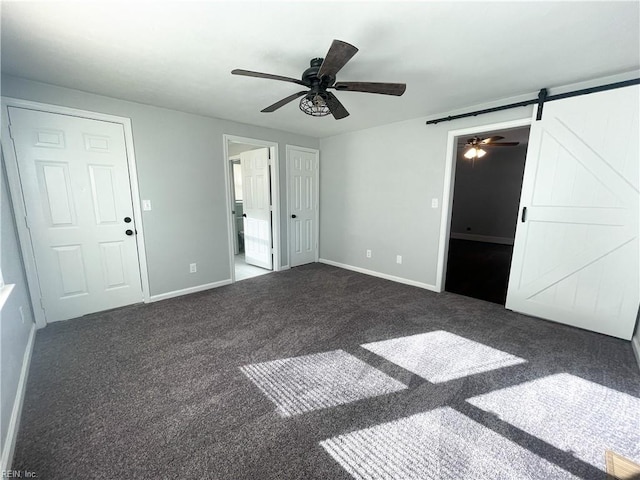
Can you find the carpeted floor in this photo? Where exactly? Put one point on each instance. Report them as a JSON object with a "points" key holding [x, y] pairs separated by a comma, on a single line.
{"points": [[323, 373]]}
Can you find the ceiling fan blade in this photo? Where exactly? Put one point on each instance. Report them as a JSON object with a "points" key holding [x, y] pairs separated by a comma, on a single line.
{"points": [[283, 102], [337, 57], [337, 109], [372, 87], [491, 139], [249, 73], [505, 144]]}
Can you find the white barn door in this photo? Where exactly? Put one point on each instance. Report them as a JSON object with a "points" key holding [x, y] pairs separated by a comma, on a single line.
{"points": [[302, 177], [75, 182], [256, 191], [575, 258]]}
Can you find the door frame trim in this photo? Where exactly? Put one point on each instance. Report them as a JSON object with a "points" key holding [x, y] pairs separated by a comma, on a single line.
{"points": [[447, 191], [275, 197], [16, 193], [316, 199]]}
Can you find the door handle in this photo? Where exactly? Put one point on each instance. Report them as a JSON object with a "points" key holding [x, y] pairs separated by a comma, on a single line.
{"points": [[127, 219], [244, 215], [294, 216], [129, 232], [523, 218]]}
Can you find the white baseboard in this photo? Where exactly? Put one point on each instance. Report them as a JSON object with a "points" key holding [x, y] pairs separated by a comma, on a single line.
{"points": [[284, 267], [635, 344], [482, 238], [186, 291], [14, 422], [386, 276]]}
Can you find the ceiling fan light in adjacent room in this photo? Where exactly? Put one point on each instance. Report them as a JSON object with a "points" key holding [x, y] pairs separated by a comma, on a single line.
{"points": [[474, 152]]}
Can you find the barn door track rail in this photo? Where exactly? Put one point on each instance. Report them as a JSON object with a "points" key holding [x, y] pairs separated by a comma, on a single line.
{"points": [[543, 97]]}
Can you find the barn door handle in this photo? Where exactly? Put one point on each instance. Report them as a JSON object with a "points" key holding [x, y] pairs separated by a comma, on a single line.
{"points": [[524, 215]]}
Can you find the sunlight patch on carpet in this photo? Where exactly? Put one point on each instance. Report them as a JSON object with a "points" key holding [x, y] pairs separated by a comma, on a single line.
{"points": [[322, 380], [442, 444], [442, 356], [572, 414]]}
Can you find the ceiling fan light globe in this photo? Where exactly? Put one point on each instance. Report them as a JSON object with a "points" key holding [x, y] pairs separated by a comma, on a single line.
{"points": [[471, 153], [314, 107], [480, 153]]}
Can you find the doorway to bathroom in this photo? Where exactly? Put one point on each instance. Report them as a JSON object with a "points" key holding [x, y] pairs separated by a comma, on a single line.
{"points": [[252, 177]]}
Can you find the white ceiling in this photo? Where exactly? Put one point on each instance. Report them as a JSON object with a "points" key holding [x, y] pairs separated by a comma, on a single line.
{"points": [[451, 54]]}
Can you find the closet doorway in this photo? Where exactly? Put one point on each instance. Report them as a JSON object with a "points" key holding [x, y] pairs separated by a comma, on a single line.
{"points": [[252, 180], [487, 183]]}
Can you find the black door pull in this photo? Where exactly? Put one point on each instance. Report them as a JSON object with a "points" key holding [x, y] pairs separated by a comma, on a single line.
{"points": [[524, 215], [129, 232], [294, 216]]}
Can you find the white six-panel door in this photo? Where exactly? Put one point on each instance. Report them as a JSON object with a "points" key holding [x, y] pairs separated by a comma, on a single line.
{"points": [[302, 175], [75, 182], [256, 181], [575, 258]]}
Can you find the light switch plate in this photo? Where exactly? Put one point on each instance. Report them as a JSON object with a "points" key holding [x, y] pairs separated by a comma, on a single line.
{"points": [[146, 205], [434, 203]]}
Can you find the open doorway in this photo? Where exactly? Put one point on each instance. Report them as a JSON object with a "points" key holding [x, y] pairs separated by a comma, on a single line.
{"points": [[487, 182], [252, 179]]}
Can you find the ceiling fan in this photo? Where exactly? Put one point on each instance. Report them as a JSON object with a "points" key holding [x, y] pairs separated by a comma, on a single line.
{"points": [[317, 101], [476, 145]]}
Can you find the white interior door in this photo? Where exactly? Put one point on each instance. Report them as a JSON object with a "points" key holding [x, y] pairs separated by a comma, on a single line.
{"points": [[302, 174], [575, 258], [256, 194], [75, 183]]}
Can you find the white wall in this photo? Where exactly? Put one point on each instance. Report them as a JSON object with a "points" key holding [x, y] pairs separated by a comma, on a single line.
{"points": [[14, 333], [181, 170], [487, 193], [376, 187]]}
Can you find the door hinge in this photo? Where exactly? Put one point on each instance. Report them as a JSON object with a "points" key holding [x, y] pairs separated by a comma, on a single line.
{"points": [[11, 131], [26, 222], [41, 304]]}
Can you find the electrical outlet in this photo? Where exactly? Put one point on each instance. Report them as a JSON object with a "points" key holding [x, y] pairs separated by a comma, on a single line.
{"points": [[398, 258], [146, 205], [193, 268], [21, 313], [434, 203], [368, 253]]}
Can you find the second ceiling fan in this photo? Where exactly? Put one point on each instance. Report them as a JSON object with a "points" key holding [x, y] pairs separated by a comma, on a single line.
{"points": [[317, 101], [476, 145]]}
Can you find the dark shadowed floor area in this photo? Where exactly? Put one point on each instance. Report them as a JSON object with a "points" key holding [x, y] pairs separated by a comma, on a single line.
{"points": [[479, 269], [323, 373]]}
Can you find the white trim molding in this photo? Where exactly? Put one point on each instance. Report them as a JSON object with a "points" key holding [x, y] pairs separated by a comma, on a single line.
{"points": [[447, 191], [482, 238], [15, 187], [14, 421], [187, 291], [386, 276]]}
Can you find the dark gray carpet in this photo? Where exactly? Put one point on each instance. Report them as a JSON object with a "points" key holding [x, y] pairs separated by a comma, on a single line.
{"points": [[159, 391]]}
